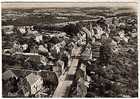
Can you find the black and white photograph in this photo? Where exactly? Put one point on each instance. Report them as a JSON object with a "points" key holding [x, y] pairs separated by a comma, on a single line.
{"points": [[69, 49]]}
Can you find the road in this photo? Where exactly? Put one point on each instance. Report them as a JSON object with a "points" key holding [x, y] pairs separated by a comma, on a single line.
{"points": [[66, 80]]}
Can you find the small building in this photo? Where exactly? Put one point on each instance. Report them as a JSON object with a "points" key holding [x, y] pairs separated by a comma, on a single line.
{"points": [[117, 39], [8, 74], [42, 49], [96, 49], [81, 78], [22, 29], [87, 53], [7, 51], [133, 35], [62, 18], [59, 68], [32, 84], [35, 57], [49, 78], [38, 38], [8, 29]]}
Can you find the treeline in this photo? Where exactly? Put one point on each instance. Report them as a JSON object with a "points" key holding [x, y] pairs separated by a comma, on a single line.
{"points": [[41, 19]]}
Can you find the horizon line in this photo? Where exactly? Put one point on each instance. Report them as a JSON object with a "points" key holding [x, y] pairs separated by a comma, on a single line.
{"points": [[6, 5]]}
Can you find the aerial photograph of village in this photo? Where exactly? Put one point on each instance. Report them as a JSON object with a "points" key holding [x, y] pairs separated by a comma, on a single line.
{"points": [[69, 50]]}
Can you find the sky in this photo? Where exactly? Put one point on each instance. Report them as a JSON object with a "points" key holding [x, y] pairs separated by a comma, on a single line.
{"points": [[44, 4]]}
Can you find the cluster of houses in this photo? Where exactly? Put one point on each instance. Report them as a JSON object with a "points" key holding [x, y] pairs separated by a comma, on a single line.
{"points": [[39, 55], [25, 83], [30, 57]]}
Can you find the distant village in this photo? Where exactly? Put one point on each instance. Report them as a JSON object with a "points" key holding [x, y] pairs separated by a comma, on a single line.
{"points": [[71, 59]]}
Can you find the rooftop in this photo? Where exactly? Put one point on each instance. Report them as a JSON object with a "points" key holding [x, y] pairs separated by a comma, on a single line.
{"points": [[32, 78]]}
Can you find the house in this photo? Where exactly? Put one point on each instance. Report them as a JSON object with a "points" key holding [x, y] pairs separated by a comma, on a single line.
{"points": [[12, 94], [38, 38], [49, 78], [114, 46], [32, 84], [59, 68], [87, 53], [7, 51], [96, 49], [22, 29], [121, 33], [117, 39], [24, 47], [98, 32], [56, 49], [8, 29], [62, 18], [35, 57], [8, 74], [133, 35], [82, 83], [42, 49]]}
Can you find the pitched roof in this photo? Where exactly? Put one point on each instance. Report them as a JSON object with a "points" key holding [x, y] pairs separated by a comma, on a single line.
{"points": [[32, 78], [8, 74], [21, 73]]}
